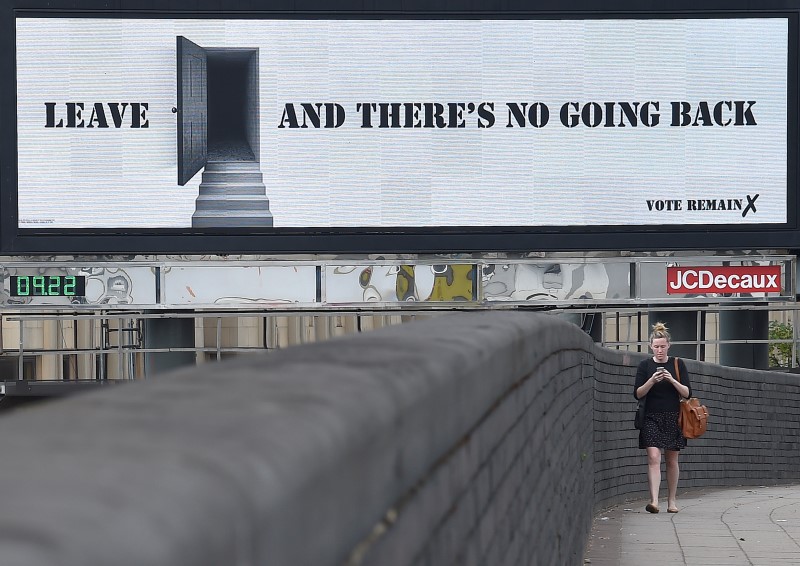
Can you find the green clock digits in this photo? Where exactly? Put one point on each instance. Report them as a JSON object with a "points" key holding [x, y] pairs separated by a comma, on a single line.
{"points": [[47, 286]]}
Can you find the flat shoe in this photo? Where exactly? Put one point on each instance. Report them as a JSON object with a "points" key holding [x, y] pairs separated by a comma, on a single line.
{"points": [[650, 508], [672, 510]]}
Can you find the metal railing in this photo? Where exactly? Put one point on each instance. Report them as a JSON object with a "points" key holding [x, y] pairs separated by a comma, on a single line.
{"points": [[104, 345]]}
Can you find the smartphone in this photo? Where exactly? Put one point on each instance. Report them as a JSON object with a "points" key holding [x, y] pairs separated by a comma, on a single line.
{"points": [[660, 369]]}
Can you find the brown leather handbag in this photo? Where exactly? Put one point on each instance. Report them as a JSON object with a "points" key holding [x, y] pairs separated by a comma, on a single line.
{"points": [[693, 417]]}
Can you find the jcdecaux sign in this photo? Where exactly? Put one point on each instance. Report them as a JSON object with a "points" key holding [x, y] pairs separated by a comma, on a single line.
{"points": [[724, 279]]}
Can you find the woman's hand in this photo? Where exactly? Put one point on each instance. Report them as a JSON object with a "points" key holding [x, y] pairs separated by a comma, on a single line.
{"points": [[657, 377]]}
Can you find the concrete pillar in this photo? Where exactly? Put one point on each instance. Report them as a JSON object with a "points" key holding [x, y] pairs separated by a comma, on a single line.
{"points": [[295, 330], [88, 330], [682, 326], [51, 364], [744, 325], [168, 333], [281, 331]]}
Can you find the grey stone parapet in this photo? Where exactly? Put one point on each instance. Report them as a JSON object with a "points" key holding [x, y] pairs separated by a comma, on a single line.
{"points": [[465, 439]]}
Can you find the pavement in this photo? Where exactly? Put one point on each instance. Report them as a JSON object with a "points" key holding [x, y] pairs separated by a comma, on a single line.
{"points": [[753, 526]]}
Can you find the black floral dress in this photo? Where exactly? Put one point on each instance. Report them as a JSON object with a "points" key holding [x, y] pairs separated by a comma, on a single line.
{"points": [[662, 407]]}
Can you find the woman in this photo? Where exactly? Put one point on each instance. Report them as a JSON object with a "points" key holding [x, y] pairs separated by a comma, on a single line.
{"points": [[657, 383]]}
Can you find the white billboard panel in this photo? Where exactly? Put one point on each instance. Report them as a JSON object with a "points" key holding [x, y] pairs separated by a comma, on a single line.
{"points": [[240, 285], [181, 123]]}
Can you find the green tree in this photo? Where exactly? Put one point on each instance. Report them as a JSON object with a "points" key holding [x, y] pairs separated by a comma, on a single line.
{"points": [[780, 353]]}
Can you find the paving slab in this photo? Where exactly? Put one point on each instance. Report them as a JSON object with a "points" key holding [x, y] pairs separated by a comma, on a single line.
{"points": [[753, 526]]}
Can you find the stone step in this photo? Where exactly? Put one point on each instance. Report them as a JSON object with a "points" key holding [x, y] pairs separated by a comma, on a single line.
{"points": [[236, 176], [232, 189], [236, 220], [233, 166], [227, 204]]}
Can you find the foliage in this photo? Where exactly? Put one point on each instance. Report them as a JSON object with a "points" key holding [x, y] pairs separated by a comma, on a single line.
{"points": [[780, 353]]}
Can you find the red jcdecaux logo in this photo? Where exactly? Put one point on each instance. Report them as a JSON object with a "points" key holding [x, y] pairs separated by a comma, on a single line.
{"points": [[751, 279]]}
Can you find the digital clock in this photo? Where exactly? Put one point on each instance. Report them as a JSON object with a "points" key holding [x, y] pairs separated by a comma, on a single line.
{"points": [[48, 286]]}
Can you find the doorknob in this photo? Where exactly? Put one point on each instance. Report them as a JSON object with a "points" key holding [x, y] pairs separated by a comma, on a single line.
{"points": [[174, 110]]}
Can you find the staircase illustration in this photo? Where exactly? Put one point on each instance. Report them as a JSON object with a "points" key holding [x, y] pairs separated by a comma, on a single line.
{"points": [[232, 194]]}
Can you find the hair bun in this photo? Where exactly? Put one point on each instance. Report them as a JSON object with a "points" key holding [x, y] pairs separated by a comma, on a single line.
{"points": [[660, 331]]}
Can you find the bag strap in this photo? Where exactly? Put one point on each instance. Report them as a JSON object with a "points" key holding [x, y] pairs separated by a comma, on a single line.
{"points": [[678, 377]]}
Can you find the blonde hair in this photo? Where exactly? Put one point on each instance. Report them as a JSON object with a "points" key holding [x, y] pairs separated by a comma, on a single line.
{"points": [[660, 331]]}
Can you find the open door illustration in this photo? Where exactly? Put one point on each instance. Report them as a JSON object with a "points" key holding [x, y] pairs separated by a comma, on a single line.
{"points": [[218, 131], [192, 109]]}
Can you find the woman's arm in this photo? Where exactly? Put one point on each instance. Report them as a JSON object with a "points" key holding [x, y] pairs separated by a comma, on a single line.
{"points": [[643, 382], [682, 390], [683, 387]]}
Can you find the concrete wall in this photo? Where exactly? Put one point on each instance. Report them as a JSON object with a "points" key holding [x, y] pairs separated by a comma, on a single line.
{"points": [[465, 439]]}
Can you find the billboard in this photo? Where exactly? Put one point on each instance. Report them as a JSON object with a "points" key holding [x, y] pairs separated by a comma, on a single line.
{"points": [[335, 134]]}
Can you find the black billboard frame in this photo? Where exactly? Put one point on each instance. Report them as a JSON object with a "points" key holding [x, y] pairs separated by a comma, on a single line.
{"points": [[29, 241]]}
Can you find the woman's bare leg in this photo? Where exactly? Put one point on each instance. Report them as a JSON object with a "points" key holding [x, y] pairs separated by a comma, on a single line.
{"points": [[654, 473], [673, 471]]}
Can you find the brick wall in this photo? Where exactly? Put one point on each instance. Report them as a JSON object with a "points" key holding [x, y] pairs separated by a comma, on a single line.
{"points": [[753, 433], [516, 485]]}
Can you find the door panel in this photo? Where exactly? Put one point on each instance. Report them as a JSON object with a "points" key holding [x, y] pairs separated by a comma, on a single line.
{"points": [[192, 109]]}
